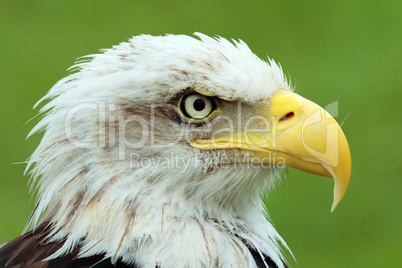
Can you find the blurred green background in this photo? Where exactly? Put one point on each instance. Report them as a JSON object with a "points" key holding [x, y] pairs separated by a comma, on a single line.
{"points": [[345, 51]]}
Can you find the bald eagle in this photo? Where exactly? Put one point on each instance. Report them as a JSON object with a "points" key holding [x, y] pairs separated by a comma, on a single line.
{"points": [[156, 152]]}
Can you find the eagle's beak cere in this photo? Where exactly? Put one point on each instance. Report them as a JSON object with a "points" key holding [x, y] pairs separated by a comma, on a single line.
{"points": [[303, 135]]}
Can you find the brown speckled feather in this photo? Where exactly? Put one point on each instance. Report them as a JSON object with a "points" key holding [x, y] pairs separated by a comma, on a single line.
{"points": [[30, 250]]}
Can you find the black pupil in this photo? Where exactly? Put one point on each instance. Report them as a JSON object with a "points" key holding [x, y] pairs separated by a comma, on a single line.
{"points": [[199, 104]]}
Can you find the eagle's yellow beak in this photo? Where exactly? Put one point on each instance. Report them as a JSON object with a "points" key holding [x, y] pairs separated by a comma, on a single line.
{"points": [[303, 136]]}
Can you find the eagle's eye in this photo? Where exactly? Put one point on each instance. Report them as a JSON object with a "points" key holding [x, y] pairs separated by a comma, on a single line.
{"points": [[196, 106]]}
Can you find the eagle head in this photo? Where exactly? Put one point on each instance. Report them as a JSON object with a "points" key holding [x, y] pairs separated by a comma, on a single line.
{"points": [[156, 152]]}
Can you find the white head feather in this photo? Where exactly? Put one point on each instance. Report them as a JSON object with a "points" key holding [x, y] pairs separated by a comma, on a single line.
{"points": [[184, 211]]}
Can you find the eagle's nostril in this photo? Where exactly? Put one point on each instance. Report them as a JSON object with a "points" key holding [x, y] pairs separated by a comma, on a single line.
{"points": [[287, 116]]}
